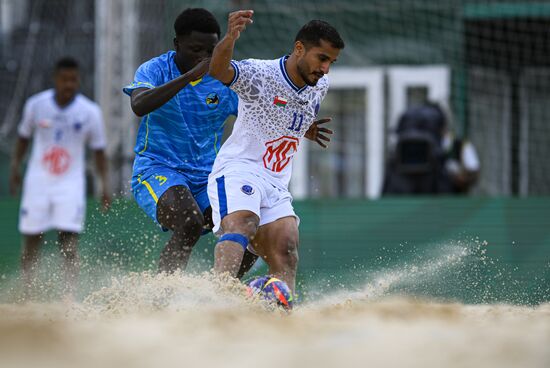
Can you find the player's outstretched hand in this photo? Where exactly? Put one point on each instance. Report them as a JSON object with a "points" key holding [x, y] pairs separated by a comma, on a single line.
{"points": [[237, 23], [318, 133], [200, 69]]}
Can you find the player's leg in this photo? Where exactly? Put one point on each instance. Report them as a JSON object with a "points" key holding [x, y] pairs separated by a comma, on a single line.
{"points": [[238, 228], [68, 213], [236, 200], [249, 258], [34, 220], [277, 243], [164, 195], [29, 258], [68, 244], [178, 211]]}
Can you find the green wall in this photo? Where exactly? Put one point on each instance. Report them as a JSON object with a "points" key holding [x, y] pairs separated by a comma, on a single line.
{"points": [[473, 250]]}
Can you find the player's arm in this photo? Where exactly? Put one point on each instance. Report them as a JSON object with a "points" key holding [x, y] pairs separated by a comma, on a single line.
{"points": [[100, 159], [147, 100], [25, 131], [220, 66], [21, 146]]}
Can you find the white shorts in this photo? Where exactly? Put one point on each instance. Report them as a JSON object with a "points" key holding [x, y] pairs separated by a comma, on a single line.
{"points": [[40, 212], [237, 191]]}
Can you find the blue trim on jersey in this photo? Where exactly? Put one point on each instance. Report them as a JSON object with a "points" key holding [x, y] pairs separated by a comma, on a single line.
{"points": [[287, 78], [222, 196], [237, 72], [237, 238]]}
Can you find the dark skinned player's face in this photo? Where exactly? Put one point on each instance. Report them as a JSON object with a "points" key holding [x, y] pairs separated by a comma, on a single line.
{"points": [[315, 62], [192, 48], [66, 83]]}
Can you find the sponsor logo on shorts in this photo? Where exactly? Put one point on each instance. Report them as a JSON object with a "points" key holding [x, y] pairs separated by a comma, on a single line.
{"points": [[247, 189]]}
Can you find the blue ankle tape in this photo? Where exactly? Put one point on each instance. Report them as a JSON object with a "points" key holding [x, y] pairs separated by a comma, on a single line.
{"points": [[237, 238]]}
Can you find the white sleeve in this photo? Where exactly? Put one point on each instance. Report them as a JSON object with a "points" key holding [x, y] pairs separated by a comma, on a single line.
{"points": [[469, 158], [322, 95], [325, 89], [26, 126], [246, 81], [96, 138]]}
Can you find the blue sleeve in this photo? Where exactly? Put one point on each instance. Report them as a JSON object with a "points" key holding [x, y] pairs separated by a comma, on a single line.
{"points": [[233, 106], [148, 75]]}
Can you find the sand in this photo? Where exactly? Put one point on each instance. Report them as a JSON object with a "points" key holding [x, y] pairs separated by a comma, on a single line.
{"points": [[147, 320]]}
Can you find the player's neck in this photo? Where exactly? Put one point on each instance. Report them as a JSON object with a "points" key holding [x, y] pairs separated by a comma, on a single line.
{"points": [[291, 66], [63, 102]]}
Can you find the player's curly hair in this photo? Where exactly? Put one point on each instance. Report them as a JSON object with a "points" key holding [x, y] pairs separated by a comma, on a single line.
{"points": [[66, 62], [314, 31], [196, 19]]}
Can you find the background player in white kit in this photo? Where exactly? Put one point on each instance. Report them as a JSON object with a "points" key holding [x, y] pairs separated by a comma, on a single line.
{"points": [[61, 122], [248, 186]]}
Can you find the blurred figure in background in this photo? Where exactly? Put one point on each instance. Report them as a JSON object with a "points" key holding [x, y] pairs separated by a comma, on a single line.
{"points": [[61, 122], [426, 158], [461, 163]]}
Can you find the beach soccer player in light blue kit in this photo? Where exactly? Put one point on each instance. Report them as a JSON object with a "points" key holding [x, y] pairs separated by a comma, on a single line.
{"points": [[183, 113]]}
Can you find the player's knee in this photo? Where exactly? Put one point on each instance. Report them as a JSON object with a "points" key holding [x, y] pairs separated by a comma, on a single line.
{"points": [[250, 227], [178, 211], [287, 252], [189, 222], [245, 225]]}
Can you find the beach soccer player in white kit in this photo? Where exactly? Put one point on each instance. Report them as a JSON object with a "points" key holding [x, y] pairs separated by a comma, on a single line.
{"points": [[61, 123], [278, 102]]}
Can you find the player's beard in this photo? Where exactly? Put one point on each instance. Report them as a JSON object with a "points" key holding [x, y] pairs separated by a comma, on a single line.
{"points": [[304, 74]]}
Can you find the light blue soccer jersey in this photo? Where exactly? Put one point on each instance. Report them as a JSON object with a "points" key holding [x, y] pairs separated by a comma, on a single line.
{"points": [[185, 133]]}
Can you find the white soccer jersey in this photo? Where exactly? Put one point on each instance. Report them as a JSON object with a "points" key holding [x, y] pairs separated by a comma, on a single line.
{"points": [[59, 136], [273, 117]]}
